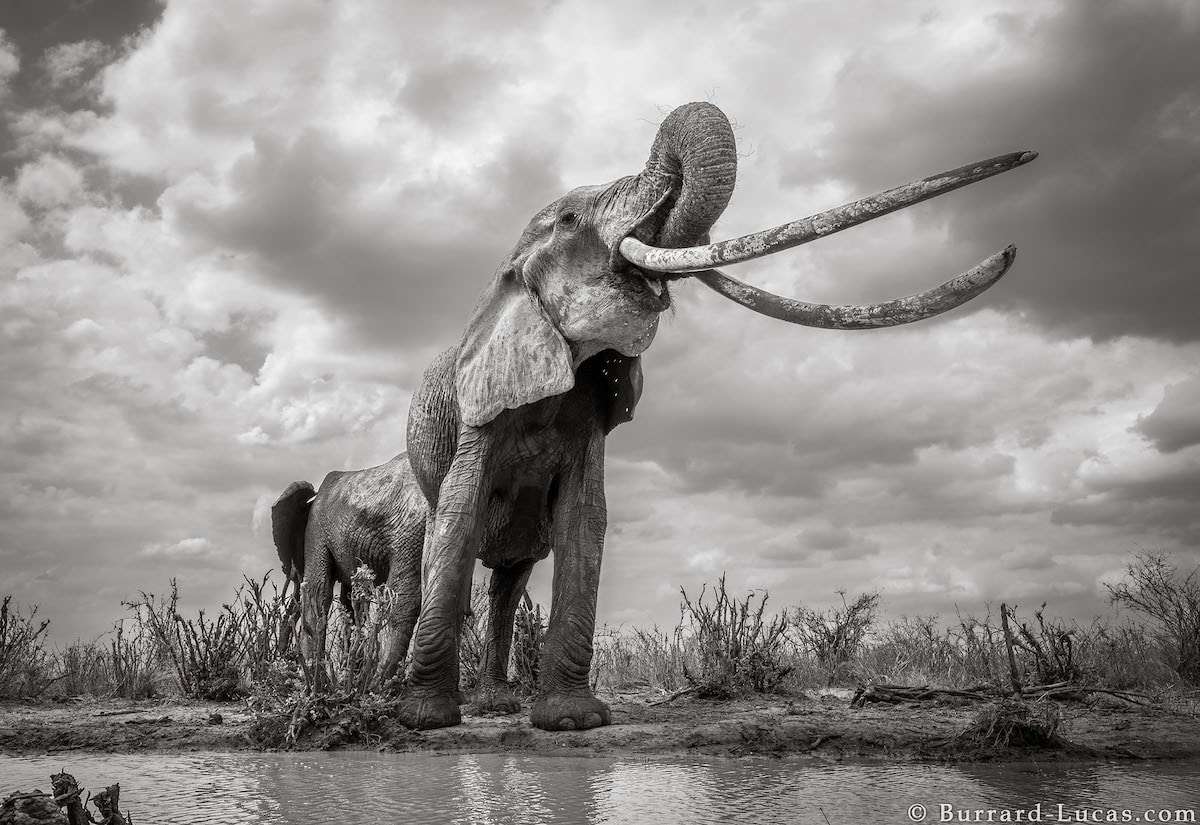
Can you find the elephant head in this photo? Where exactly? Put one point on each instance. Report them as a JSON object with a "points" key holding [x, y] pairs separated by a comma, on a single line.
{"points": [[592, 270], [566, 293]]}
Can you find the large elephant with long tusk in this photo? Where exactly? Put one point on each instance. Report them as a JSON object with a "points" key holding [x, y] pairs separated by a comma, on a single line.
{"points": [[506, 431]]}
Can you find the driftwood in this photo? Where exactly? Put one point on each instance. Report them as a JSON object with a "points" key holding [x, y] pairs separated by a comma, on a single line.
{"points": [[668, 699], [1059, 691], [63, 806]]}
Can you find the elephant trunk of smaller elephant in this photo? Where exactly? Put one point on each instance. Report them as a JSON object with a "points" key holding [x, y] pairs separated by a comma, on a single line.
{"points": [[700, 260]]}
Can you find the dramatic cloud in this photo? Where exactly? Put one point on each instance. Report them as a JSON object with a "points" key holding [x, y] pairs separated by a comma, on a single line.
{"points": [[232, 235], [10, 64], [1174, 425]]}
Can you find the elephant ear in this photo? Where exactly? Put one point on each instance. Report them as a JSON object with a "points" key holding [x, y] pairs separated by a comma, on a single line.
{"points": [[511, 354]]}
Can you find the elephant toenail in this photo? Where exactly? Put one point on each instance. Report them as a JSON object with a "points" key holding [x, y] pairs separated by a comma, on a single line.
{"points": [[566, 723], [593, 720]]}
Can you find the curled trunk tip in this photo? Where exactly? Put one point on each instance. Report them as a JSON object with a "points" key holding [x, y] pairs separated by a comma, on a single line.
{"points": [[695, 156]]}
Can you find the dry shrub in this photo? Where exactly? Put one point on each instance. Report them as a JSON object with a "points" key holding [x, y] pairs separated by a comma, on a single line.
{"points": [[738, 652], [1157, 588], [1050, 646], [472, 638], [265, 618], [84, 669], [24, 661], [529, 631], [835, 637], [353, 646], [204, 652], [1014, 723], [338, 700], [135, 658], [912, 650], [1125, 656]]}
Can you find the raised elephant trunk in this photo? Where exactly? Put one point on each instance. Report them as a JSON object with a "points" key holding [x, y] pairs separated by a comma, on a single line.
{"points": [[693, 163]]}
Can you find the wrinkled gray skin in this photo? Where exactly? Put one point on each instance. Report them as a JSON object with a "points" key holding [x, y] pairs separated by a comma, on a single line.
{"points": [[506, 431], [374, 517]]}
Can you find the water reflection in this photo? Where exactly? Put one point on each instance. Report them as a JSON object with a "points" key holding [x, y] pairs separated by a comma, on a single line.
{"points": [[496, 789]]}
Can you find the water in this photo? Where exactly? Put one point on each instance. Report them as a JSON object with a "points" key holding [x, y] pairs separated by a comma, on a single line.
{"points": [[348, 787]]}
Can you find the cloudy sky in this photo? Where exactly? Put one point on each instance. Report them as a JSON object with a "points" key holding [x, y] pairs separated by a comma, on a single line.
{"points": [[232, 234]]}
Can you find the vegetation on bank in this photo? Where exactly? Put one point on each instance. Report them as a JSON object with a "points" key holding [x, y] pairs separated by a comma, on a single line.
{"points": [[724, 645]]}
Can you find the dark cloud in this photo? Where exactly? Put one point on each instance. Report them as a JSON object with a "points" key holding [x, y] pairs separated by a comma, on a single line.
{"points": [[240, 343], [402, 271], [1106, 218], [1175, 422], [1162, 503], [443, 95]]}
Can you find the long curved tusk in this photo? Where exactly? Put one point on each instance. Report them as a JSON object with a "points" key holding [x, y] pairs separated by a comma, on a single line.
{"points": [[956, 291], [759, 244]]}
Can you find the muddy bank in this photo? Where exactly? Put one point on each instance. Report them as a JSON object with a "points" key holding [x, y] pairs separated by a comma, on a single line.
{"points": [[824, 727]]}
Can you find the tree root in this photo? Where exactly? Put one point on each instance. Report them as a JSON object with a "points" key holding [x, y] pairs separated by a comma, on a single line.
{"points": [[63, 805]]}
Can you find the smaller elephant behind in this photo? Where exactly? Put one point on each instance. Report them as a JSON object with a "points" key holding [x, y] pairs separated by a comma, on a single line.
{"points": [[375, 517]]}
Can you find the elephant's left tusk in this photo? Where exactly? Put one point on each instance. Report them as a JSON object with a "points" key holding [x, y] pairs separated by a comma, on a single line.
{"points": [[768, 241], [952, 293]]}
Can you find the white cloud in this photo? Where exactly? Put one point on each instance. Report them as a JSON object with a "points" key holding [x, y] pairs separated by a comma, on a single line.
{"points": [[68, 63], [197, 547], [49, 181]]}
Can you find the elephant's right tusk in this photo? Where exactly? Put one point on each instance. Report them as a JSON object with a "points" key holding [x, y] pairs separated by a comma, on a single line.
{"points": [[768, 241], [935, 301]]}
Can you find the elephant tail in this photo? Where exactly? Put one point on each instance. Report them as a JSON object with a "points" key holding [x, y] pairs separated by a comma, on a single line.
{"points": [[289, 518]]}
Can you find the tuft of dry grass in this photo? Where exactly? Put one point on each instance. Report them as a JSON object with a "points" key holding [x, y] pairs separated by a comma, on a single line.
{"points": [[1014, 723], [640, 658]]}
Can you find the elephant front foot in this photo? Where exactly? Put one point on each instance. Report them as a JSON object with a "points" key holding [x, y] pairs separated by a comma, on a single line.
{"points": [[569, 711], [496, 697], [423, 711]]}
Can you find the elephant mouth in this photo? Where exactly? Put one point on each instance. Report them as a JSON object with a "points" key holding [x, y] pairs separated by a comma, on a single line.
{"points": [[650, 288]]}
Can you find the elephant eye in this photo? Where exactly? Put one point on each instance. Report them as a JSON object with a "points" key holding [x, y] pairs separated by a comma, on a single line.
{"points": [[567, 218]]}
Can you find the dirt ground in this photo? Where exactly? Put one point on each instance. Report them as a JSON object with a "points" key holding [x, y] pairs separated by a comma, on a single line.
{"points": [[822, 727]]}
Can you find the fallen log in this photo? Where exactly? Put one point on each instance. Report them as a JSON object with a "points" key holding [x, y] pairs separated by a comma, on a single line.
{"points": [[1058, 691], [895, 694]]}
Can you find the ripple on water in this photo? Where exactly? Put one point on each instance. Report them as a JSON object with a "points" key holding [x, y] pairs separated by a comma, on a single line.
{"points": [[354, 788]]}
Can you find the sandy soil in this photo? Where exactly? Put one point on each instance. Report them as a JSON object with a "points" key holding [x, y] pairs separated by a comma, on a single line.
{"points": [[823, 727]]}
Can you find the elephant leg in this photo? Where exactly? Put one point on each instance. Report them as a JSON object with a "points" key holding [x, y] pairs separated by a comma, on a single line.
{"points": [[315, 601], [449, 559], [404, 579], [504, 594], [565, 700], [465, 614]]}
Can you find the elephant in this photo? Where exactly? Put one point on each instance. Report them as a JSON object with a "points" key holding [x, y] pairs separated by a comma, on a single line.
{"points": [[506, 429], [376, 517]]}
